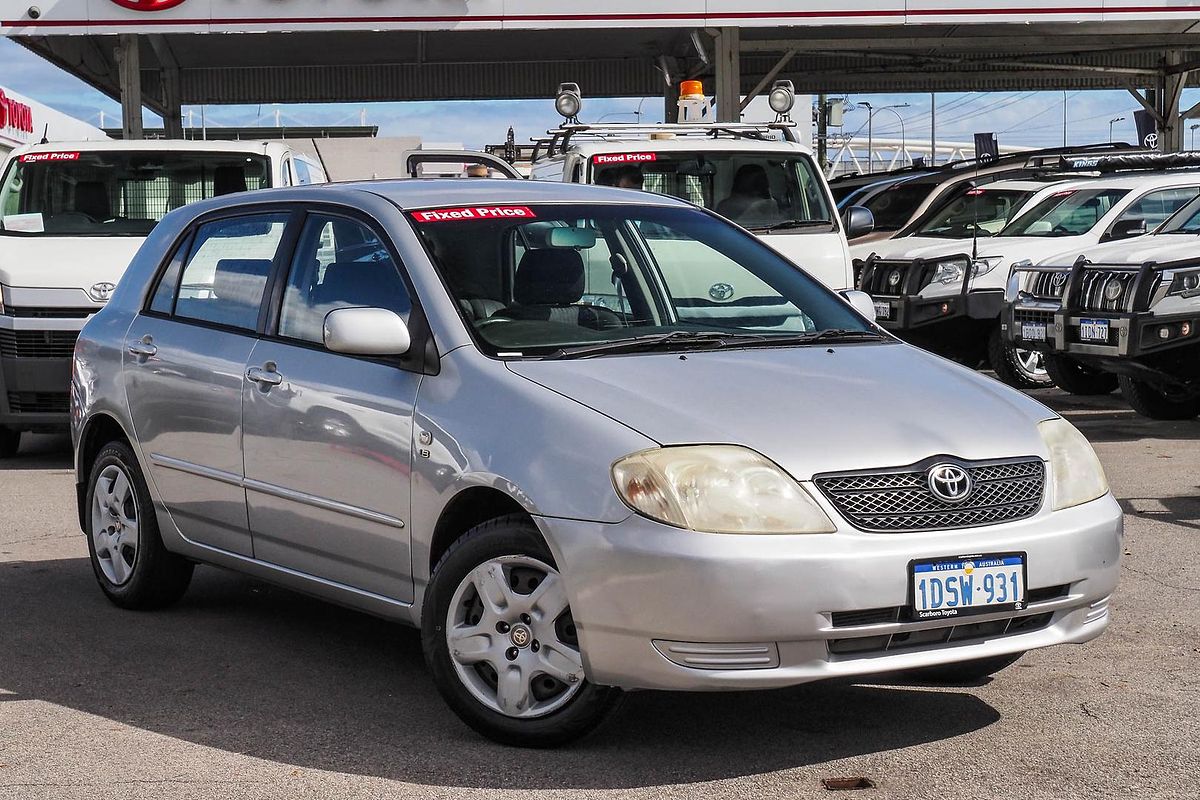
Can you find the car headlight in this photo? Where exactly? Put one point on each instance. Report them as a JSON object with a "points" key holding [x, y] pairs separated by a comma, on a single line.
{"points": [[1077, 475], [951, 271], [717, 489], [985, 264]]}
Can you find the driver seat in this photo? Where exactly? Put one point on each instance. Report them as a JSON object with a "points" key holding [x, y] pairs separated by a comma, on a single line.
{"points": [[548, 286]]}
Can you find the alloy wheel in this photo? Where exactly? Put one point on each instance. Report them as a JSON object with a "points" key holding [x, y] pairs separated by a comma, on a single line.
{"points": [[511, 637], [115, 524]]}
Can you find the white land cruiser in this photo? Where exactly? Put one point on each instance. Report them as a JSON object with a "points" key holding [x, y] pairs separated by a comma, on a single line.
{"points": [[926, 300], [73, 215], [757, 175]]}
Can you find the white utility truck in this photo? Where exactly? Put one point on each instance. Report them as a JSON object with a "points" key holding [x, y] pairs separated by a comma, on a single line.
{"points": [[72, 214], [758, 175]]}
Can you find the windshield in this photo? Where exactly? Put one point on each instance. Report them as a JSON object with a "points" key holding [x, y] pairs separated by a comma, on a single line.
{"points": [[754, 190], [1071, 212], [532, 280], [981, 212], [893, 207], [1186, 220], [126, 193]]}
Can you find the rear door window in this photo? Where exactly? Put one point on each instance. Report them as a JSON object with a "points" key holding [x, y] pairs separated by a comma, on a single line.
{"points": [[1155, 207], [226, 272]]}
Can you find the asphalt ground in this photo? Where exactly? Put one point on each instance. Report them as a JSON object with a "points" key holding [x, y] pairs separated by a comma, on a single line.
{"points": [[244, 690]]}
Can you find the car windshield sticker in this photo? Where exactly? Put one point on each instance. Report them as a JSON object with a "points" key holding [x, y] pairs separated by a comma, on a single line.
{"points": [[625, 158], [474, 213], [31, 157]]}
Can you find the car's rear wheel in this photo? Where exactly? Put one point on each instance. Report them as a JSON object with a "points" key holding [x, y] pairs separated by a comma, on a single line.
{"points": [[1023, 369], [131, 564], [1075, 378], [10, 442], [964, 672], [1156, 404], [501, 643]]}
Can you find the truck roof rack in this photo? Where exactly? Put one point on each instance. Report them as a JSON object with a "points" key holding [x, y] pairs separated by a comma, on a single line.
{"points": [[556, 141], [1123, 162]]}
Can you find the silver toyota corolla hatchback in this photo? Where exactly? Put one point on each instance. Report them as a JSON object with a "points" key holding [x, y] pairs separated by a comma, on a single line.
{"points": [[587, 439]]}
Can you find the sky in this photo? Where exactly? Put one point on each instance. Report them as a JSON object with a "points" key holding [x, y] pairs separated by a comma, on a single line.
{"points": [[1033, 119]]}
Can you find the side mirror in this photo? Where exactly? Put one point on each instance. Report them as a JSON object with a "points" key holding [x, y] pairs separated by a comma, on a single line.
{"points": [[860, 301], [366, 332], [858, 221], [1127, 228]]}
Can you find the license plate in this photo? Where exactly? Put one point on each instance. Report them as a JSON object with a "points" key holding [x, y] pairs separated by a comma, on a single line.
{"points": [[954, 587], [883, 310], [1033, 331], [1093, 330]]}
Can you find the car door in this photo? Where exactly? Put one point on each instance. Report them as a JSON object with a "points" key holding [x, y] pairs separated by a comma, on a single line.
{"points": [[328, 436], [185, 357]]}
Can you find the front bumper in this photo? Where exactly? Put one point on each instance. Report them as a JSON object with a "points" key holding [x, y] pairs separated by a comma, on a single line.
{"points": [[662, 608], [1051, 329], [35, 371], [909, 312]]}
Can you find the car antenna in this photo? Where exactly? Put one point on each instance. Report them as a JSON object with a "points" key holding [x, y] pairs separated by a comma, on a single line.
{"points": [[45, 134]]}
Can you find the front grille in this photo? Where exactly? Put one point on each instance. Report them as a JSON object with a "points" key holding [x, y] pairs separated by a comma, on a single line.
{"points": [[1110, 289], [50, 312], [894, 278], [39, 402], [901, 500], [894, 614], [964, 632], [37, 344], [1048, 285]]}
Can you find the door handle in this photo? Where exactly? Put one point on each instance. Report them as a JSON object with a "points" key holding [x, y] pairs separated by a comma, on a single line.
{"points": [[264, 376], [143, 349]]}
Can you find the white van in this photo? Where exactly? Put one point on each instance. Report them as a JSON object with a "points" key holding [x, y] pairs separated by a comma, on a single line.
{"points": [[755, 174], [72, 214]]}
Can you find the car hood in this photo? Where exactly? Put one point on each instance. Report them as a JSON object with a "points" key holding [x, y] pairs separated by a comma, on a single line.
{"points": [[906, 247], [810, 409], [1161, 248], [65, 262]]}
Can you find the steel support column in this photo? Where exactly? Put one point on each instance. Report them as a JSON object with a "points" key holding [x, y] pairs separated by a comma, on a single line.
{"points": [[129, 66], [728, 69], [1170, 139]]}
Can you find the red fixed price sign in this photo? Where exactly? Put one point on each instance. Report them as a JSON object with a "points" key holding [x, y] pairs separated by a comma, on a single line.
{"points": [[624, 158], [35, 157], [474, 213]]}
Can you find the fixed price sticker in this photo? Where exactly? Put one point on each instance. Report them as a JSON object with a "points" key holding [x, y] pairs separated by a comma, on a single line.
{"points": [[32, 157], [474, 213], [625, 158]]}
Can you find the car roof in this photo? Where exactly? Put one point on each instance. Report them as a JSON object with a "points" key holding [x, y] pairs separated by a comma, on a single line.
{"points": [[414, 193], [691, 144], [1139, 180], [152, 145]]}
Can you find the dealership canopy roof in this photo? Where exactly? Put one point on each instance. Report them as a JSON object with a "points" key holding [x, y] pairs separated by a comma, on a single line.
{"points": [[245, 51]]}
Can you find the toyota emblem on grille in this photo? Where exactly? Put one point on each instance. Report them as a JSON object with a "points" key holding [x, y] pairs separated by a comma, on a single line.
{"points": [[100, 292], [894, 278], [1113, 290], [949, 483], [1059, 280], [720, 291]]}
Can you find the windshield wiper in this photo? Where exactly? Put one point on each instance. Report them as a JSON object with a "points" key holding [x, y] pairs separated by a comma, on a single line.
{"points": [[639, 343], [712, 339], [792, 224]]}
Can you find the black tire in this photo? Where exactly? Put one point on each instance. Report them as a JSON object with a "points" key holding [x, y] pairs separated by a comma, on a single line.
{"points": [[513, 535], [1074, 378], [1002, 357], [156, 576], [964, 672], [1152, 403], [10, 442]]}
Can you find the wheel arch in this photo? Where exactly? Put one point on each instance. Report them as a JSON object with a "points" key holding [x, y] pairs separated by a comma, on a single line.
{"points": [[99, 430], [471, 506]]}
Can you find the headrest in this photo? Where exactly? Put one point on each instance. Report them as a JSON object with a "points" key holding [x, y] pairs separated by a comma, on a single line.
{"points": [[361, 283], [552, 276], [228, 180], [241, 281]]}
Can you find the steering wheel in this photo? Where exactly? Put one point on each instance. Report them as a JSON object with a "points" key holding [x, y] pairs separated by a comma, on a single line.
{"points": [[77, 215], [1061, 230]]}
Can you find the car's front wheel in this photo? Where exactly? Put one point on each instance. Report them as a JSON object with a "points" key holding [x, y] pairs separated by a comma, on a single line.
{"points": [[1023, 369], [501, 643], [131, 564], [1074, 378], [1157, 404]]}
